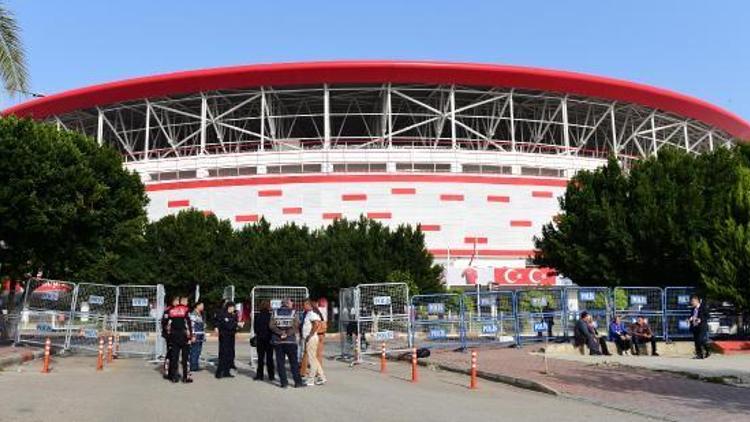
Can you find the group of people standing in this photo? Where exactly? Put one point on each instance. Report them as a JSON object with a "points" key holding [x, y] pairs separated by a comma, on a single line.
{"points": [[632, 339], [276, 333]]}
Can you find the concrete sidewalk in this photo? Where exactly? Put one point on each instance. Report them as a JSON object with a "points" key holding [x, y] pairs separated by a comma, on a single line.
{"points": [[15, 355], [734, 369], [638, 390]]}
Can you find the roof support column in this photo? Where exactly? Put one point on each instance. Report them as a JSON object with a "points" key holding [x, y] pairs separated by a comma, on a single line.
{"points": [[147, 135], [326, 118], [566, 134], [100, 127], [204, 111], [687, 139], [453, 116], [262, 119], [653, 135], [615, 146], [512, 123], [711, 140], [389, 115]]}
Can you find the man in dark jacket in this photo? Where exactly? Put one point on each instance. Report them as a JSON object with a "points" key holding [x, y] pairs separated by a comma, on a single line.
{"points": [[262, 329], [699, 327], [582, 335], [227, 325], [285, 328]]}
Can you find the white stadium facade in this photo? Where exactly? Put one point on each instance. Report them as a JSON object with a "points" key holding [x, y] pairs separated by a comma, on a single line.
{"points": [[476, 154]]}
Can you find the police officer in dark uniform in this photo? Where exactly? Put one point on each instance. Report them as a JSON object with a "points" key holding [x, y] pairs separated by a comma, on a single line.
{"points": [[227, 325], [179, 333], [164, 321]]}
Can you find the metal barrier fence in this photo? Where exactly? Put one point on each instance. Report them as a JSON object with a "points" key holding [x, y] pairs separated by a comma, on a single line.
{"points": [[677, 311], [228, 293], [275, 296], [348, 330], [75, 316], [631, 302], [594, 300], [540, 313], [490, 318], [438, 320]]}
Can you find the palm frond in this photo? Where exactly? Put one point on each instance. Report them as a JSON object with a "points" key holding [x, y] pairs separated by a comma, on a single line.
{"points": [[13, 70]]}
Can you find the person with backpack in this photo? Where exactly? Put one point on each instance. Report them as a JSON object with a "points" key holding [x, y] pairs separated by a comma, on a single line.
{"points": [[310, 334], [285, 328]]}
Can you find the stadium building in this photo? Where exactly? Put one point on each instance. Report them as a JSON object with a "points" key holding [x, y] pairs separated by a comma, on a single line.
{"points": [[475, 154]]}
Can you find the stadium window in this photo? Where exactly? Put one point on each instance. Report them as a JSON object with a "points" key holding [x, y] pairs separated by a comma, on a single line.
{"points": [[424, 167], [167, 175], [247, 171], [486, 169], [188, 174]]}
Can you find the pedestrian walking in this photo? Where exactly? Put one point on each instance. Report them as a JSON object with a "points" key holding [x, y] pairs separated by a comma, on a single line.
{"points": [[263, 347], [284, 327], [699, 327]]}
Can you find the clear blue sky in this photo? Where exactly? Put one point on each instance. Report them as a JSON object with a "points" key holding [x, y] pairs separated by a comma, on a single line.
{"points": [[700, 48]]}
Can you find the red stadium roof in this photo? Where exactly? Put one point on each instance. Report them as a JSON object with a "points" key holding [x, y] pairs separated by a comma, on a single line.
{"points": [[355, 72]]}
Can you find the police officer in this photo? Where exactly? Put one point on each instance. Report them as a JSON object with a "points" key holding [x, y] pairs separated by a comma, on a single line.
{"points": [[285, 327], [179, 333], [227, 325], [164, 321]]}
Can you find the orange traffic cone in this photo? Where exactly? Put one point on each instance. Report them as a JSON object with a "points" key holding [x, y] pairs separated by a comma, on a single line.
{"points": [[382, 359], [109, 350], [45, 364], [100, 359], [414, 373], [473, 382]]}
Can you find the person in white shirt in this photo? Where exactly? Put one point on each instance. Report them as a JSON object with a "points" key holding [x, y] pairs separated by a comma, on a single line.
{"points": [[310, 327]]}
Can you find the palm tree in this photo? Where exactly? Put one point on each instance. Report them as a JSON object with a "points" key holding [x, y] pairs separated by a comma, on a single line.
{"points": [[13, 71]]}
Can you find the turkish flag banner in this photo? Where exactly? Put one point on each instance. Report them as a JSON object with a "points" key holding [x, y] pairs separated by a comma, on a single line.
{"points": [[525, 276]]}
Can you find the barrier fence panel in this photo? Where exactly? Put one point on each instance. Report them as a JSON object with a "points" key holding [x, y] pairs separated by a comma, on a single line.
{"points": [[594, 300], [630, 302], [348, 320], [46, 312], [94, 315], [438, 320], [228, 293], [677, 312], [383, 316], [540, 314], [490, 317], [275, 295], [139, 312]]}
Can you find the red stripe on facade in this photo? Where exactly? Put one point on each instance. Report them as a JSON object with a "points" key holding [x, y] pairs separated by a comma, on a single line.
{"points": [[504, 253], [272, 192], [541, 194], [430, 227], [520, 223], [246, 218], [498, 198], [354, 197], [178, 203], [331, 215], [354, 178], [451, 197], [403, 191], [379, 215], [477, 240], [291, 210]]}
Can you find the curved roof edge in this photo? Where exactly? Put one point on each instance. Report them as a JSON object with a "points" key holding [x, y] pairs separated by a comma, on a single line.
{"points": [[353, 72]]}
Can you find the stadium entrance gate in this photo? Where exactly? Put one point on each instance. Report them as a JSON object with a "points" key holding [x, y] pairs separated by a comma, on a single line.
{"points": [[438, 320], [630, 302], [594, 300], [540, 314], [677, 312], [139, 311], [376, 314], [490, 317], [94, 315], [46, 312]]}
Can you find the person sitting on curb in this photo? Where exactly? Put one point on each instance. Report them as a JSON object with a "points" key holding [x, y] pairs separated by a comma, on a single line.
{"points": [[618, 333], [642, 334], [582, 335]]}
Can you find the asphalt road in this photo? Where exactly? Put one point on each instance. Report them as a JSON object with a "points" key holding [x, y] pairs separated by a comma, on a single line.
{"points": [[133, 390]]}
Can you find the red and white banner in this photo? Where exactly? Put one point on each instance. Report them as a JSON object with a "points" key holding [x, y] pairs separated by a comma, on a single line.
{"points": [[505, 276]]}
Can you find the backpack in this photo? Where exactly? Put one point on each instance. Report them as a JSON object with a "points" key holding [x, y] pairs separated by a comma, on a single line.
{"points": [[323, 324]]}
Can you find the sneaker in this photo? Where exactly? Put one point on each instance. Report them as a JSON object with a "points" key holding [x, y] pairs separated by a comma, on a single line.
{"points": [[187, 380], [302, 385], [320, 381]]}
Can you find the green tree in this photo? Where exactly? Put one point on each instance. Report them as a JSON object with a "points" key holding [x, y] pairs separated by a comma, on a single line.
{"points": [[67, 206], [12, 56]]}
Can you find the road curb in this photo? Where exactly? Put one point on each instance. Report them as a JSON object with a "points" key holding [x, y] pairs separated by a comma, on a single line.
{"points": [[20, 358], [505, 379]]}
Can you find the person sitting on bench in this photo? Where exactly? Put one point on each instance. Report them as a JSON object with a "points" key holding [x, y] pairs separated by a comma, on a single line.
{"points": [[642, 334], [618, 333]]}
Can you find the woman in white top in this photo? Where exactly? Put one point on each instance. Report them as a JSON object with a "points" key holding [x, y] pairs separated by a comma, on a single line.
{"points": [[310, 328]]}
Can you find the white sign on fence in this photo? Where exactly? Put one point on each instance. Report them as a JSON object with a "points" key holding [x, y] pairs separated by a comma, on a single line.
{"points": [[638, 300], [683, 299], [435, 308], [140, 302], [90, 333], [437, 333], [540, 327], [539, 302], [275, 303], [588, 296], [381, 300], [51, 296], [489, 329], [384, 335], [96, 300]]}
